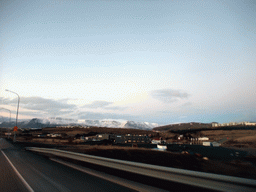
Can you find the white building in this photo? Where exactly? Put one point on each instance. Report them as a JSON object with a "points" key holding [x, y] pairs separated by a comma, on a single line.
{"points": [[203, 138], [214, 124], [212, 144]]}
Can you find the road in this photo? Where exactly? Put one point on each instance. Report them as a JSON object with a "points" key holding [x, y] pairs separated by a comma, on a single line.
{"points": [[22, 170], [9, 179]]}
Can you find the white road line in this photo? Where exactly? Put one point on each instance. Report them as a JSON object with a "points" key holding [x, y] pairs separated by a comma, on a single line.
{"points": [[126, 183], [19, 175]]}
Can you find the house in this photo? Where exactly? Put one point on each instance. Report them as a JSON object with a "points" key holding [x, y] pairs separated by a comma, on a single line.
{"points": [[203, 138], [212, 144], [128, 138], [215, 124], [250, 124], [53, 135], [180, 137], [104, 136], [158, 140]]}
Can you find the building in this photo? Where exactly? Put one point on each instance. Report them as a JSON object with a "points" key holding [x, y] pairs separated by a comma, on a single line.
{"points": [[104, 136], [128, 138], [158, 140], [214, 124], [249, 123], [212, 144], [54, 135], [203, 138]]}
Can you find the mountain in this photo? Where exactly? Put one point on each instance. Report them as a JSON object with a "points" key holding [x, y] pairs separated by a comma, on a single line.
{"points": [[53, 122], [120, 124], [139, 125]]}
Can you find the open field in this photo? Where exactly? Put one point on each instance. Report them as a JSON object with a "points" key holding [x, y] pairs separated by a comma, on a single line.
{"points": [[228, 138], [245, 168], [242, 139], [235, 138]]}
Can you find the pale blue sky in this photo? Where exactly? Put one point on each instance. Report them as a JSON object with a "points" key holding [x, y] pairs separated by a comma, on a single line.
{"points": [[156, 61]]}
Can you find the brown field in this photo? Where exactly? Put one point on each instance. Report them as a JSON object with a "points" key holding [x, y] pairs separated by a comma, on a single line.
{"points": [[244, 139], [236, 138], [74, 131]]}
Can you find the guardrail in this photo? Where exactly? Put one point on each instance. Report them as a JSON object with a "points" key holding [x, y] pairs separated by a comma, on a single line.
{"points": [[193, 178]]}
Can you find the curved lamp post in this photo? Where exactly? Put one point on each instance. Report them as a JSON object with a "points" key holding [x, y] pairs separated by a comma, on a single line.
{"points": [[14, 139]]}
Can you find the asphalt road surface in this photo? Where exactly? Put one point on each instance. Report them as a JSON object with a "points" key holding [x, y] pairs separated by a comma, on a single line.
{"points": [[22, 170]]}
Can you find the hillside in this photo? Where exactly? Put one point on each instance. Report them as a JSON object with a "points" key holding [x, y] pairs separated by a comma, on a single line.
{"points": [[183, 126]]}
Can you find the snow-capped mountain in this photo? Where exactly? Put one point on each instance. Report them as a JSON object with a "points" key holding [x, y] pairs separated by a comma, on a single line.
{"points": [[120, 124], [59, 120], [140, 125], [52, 122]]}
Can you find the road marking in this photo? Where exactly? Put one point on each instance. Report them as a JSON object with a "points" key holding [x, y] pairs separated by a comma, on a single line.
{"points": [[19, 175], [126, 183]]}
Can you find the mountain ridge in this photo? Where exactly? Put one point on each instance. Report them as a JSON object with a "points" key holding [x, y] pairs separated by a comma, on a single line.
{"points": [[183, 126], [53, 122]]}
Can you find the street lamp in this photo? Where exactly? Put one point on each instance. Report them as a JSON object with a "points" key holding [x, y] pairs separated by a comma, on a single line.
{"points": [[14, 139]]}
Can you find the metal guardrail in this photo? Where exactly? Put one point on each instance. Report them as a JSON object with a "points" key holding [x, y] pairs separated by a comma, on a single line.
{"points": [[193, 178]]}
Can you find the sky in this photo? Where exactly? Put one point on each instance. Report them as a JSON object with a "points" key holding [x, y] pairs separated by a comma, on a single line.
{"points": [[154, 61]]}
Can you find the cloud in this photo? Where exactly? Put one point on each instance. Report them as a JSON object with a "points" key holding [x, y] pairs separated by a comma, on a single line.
{"points": [[116, 108], [7, 101], [39, 103], [96, 116], [169, 95], [98, 104], [103, 105], [42, 105], [186, 104]]}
